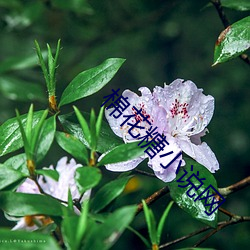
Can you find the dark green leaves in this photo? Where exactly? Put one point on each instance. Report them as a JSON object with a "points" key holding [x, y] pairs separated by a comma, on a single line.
{"points": [[105, 235], [90, 81], [73, 146], [107, 138], [16, 240], [122, 153], [87, 177], [108, 193], [233, 41], [29, 204], [9, 176], [241, 5], [194, 208], [10, 136]]}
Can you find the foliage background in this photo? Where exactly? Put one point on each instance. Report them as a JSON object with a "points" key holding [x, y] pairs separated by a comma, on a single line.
{"points": [[162, 41]]}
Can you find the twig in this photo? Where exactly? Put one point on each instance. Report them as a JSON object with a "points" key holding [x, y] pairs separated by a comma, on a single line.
{"points": [[235, 220], [144, 173], [152, 198], [224, 211], [226, 23], [235, 187]]}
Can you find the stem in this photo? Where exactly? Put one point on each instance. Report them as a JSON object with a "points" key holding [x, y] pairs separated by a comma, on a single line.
{"points": [[152, 198], [235, 187]]}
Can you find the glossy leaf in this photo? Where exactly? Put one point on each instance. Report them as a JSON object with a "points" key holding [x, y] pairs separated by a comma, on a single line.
{"points": [[108, 193], [46, 138], [90, 81], [19, 90], [8, 176], [53, 174], [10, 136], [107, 138], [105, 235], [73, 146], [16, 240], [233, 41], [18, 162], [87, 177], [195, 208], [20, 204], [241, 5], [122, 153]]}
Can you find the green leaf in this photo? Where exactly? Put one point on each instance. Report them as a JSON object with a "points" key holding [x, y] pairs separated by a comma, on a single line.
{"points": [[87, 177], [10, 136], [46, 138], [69, 231], [74, 228], [151, 223], [92, 127], [16, 240], [241, 5], [233, 41], [18, 162], [108, 193], [143, 239], [90, 81], [107, 139], [105, 235], [162, 221], [19, 90], [99, 122], [195, 208], [78, 6], [73, 146], [53, 174], [9, 176], [122, 153], [19, 63], [84, 125], [20, 204]]}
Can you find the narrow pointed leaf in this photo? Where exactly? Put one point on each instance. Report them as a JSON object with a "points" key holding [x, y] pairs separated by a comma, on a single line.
{"points": [[84, 125], [10, 136], [162, 221], [90, 81], [99, 122]]}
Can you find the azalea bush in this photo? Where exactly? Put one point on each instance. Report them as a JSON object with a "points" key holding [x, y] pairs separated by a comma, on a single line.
{"points": [[85, 199]]}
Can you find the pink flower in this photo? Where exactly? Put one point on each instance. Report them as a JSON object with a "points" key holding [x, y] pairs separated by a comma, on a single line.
{"points": [[58, 189], [181, 112]]}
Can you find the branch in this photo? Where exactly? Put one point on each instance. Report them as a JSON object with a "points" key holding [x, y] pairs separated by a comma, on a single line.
{"points": [[235, 220], [226, 23], [235, 187], [152, 198], [144, 173]]}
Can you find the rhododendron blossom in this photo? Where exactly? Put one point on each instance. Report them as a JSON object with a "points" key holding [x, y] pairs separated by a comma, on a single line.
{"points": [[58, 189], [181, 112]]}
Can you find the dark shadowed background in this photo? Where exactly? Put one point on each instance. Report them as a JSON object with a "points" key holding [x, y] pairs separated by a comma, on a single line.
{"points": [[161, 41]]}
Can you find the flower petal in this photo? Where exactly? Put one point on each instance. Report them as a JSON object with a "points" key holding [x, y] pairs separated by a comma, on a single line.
{"points": [[201, 153], [169, 173], [189, 110], [125, 165], [29, 187]]}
